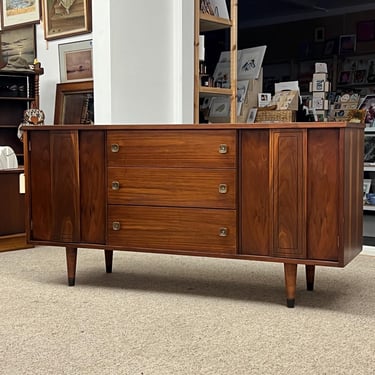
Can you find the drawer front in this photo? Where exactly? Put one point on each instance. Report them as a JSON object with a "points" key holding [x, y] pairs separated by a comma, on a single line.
{"points": [[185, 187], [172, 148], [163, 228]]}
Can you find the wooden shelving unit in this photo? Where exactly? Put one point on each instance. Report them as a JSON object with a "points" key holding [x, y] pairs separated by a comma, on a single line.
{"points": [[205, 23], [19, 90]]}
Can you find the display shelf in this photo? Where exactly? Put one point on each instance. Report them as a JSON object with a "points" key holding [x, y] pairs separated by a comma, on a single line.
{"points": [[368, 207], [206, 23]]}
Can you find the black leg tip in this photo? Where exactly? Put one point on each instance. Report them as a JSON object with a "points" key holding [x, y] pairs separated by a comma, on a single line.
{"points": [[108, 269], [310, 287], [71, 281], [290, 302]]}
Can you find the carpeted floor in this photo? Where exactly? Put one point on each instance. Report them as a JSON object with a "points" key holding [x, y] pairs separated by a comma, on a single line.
{"points": [[165, 314]]}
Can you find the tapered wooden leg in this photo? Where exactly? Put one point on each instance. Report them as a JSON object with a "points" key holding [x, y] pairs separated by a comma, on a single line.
{"points": [[71, 262], [108, 260], [290, 272], [310, 277]]}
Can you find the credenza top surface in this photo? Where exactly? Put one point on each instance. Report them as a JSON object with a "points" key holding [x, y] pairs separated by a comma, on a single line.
{"points": [[239, 126]]}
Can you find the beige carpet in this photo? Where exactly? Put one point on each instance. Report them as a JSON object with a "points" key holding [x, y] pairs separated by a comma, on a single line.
{"points": [[162, 314]]}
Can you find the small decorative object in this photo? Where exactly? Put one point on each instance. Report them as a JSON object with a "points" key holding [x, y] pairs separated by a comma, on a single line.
{"points": [[356, 115], [252, 115], [264, 99], [34, 116]]}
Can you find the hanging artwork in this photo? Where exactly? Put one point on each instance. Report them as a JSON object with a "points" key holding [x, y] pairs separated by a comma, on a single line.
{"points": [[63, 18], [15, 12]]}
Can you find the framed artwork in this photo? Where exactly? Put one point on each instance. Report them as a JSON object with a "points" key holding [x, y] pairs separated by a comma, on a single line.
{"points": [[252, 115], [319, 34], [18, 47], [251, 62], [74, 103], [365, 31], [347, 44], [15, 13], [368, 104], [329, 47], [64, 18], [75, 61]]}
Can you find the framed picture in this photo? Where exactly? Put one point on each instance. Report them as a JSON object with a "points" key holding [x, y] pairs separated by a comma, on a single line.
{"points": [[329, 47], [15, 13], [74, 103], [366, 186], [18, 47], [368, 104], [365, 31], [252, 115], [347, 44], [75, 61], [65, 18], [319, 33]]}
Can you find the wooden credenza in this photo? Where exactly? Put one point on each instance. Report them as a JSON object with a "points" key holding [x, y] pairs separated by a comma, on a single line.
{"points": [[289, 193]]}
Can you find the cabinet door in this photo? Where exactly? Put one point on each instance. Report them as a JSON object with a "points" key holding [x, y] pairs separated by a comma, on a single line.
{"points": [[289, 193], [273, 188], [67, 185]]}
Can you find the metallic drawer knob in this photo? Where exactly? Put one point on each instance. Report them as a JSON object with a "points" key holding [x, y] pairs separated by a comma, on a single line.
{"points": [[223, 232], [115, 185], [116, 225], [223, 188], [115, 147], [223, 149]]}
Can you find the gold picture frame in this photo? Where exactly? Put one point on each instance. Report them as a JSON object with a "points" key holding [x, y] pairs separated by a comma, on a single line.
{"points": [[74, 103], [65, 18]]}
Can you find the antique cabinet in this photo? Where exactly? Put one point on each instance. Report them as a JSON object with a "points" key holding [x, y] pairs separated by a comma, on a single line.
{"points": [[289, 193]]}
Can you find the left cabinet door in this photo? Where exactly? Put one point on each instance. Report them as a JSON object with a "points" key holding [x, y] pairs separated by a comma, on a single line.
{"points": [[66, 186]]}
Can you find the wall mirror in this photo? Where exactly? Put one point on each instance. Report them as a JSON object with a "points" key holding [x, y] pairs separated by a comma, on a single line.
{"points": [[74, 103]]}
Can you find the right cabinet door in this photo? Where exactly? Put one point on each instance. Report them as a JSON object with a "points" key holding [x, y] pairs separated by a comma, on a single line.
{"points": [[291, 193]]}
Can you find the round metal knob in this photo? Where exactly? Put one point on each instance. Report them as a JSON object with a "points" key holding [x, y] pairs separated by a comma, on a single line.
{"points": [[116, 225], [115, 147], [115, 185], [223, 232]]}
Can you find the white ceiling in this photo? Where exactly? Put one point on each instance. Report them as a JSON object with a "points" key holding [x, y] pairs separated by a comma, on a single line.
{"points": [[253, 13]]}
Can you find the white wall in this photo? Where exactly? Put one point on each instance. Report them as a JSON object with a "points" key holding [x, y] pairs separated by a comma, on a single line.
{"points": [[142, 59]]}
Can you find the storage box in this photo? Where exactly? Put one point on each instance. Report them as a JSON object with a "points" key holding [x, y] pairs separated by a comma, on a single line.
{"points": [[286, 115]]}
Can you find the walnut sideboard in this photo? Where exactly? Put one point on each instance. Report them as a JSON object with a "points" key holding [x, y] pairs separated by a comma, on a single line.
{"points": [[289, 193]]}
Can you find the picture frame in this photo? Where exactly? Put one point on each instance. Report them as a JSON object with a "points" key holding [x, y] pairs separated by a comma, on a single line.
{"points": [[66, 18], [252, 115], [347, 44], [74, 103], [366, 186], [319, 34], [75, 60], [15, 40], [13, 15], [368, 104], [366, 31], [251, 62]]}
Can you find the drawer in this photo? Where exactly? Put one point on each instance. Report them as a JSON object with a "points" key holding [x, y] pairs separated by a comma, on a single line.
{"points": [[186, 187], [172, 148], [166, 228]]}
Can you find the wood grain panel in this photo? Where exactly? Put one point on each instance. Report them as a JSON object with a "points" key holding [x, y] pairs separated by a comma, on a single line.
{"points": [[288, 211], [12, 218], [92, 186], [65, 185], [255, 193], [40, 194], [173, 148], [178, 229], [187, 187], [324, 197]]}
